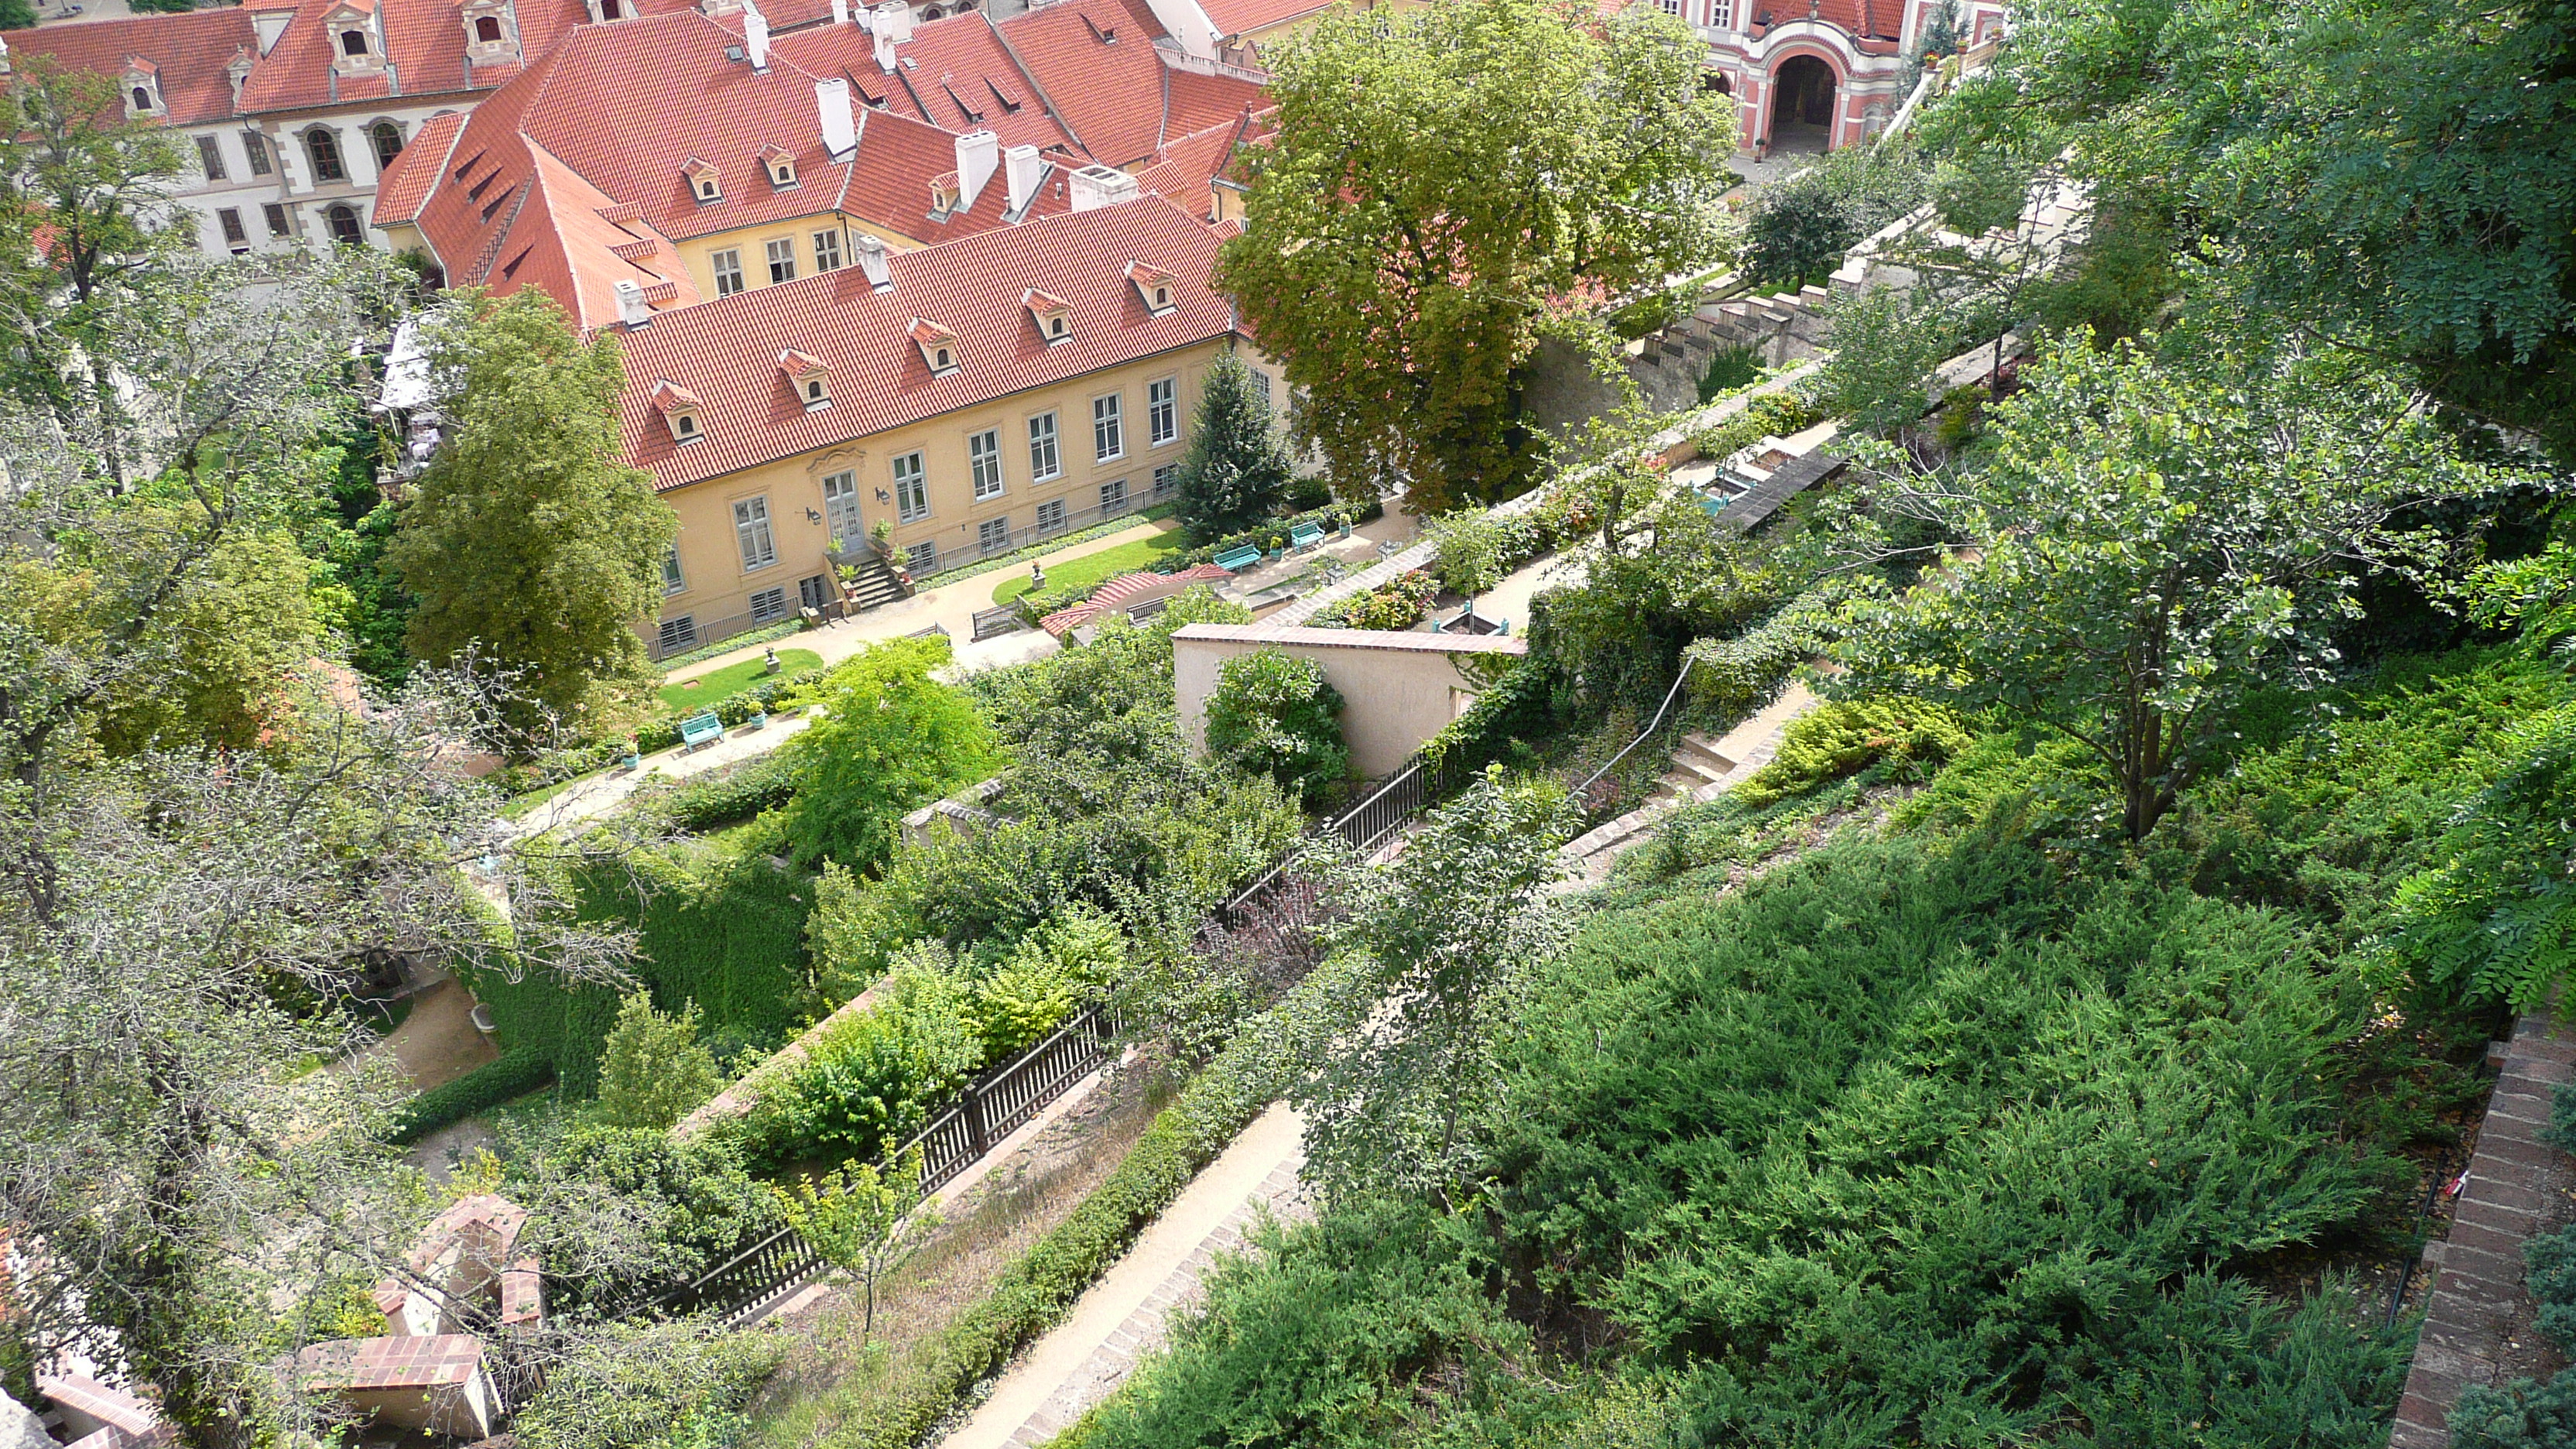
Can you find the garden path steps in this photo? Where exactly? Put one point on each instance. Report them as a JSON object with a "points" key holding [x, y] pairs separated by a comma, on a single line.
{"points": [[1706, 769], [1126, 1313], [2478, 1321]]}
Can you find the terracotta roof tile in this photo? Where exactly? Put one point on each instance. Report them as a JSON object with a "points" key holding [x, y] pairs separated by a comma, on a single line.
{"points": [[1239, 17], [726, 351], [404, 187], [190, 50], [953, 60], [424, 45], [1094, 61], [1194, 102], [1187, 167], [428, 1361]]}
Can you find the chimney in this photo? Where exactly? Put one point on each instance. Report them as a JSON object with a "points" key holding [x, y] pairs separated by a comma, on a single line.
{"points": [[840, 12], [267, 25], [840, 123], [1097, 186], [978, 153], [755, 35], [885, 50], [872, 261], [630, 304], [1026, 171], [894, 21]]}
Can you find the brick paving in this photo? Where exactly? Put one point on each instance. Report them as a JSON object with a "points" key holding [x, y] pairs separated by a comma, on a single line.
{"points": [[2478, 1321]]}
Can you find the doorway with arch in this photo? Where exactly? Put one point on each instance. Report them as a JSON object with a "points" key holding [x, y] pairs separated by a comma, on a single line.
{"points": [[1802, 105]]}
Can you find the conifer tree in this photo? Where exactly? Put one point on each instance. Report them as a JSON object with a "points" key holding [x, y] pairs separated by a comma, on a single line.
{"points": [[1236, 469]]}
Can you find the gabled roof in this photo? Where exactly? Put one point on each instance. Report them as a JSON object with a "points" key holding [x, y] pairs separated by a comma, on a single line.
{"points": [[424, 44], [405, 185], [954, 64], [1241, 17], [1095, 61], [1186, 168], [726, 351], [191, 52], [1193, 102]]}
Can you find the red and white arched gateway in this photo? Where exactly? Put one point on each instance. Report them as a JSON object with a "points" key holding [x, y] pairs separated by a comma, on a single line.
{"points": [[1815, 75]]}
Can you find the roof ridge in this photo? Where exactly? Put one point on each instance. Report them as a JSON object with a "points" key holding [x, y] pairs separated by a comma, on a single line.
{"points": [[1053, 111]]}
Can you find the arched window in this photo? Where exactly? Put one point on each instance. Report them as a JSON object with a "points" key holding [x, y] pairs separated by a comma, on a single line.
{"points": [[353, 42], [388, 142], [142, 99], [324, 148], [344, 226], [487, 29]]}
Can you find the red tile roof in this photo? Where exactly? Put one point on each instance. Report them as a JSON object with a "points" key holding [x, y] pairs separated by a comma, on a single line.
{"points": [[424, 45], [1239, 17], [1187, 166], [191, 51], [429, 1361], [726, 351], [1094, 61], [948, 69], [404, 187], [1193, 102]]}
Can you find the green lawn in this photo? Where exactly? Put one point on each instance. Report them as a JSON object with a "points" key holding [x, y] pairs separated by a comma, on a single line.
{"points": [[1095, 568], [691, 695]]}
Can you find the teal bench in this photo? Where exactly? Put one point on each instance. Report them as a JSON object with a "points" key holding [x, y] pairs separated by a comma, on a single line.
{"points": [[697, 729], [1305, 535], [1234, 560]]}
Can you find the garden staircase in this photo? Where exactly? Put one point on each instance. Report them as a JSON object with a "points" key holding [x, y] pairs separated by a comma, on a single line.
{"points": [[1697, 764], [871, 584]]}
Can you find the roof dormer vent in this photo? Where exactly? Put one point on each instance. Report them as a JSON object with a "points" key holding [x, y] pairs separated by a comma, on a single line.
{"points": [[938, 346], [1053, 314], [1158, 289], [679, 408], [705, 182], [809, 376]]}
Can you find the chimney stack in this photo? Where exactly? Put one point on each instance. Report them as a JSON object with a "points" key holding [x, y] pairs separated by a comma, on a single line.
{"points": [[840, 122], [872, 261], [1025, 171], [1097, 186], [840, 12], [979, 152], [755, 35], [894, 21], [630, 304], [885, 50]]}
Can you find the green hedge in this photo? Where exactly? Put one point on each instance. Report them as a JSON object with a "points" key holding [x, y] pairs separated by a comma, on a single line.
{"points": [[704, 802], [655, 736], [1033, 1294], [515, 1075]]}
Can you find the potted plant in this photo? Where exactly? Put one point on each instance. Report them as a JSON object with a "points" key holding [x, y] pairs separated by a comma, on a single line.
{"points": [[881, 537], [633, 759]]}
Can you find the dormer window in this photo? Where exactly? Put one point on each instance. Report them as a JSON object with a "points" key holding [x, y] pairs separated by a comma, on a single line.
{"points": [[353, 42], [943, 194], [142, 100], [780, 166], [142, 87], [938, 346], [809, 376], [704, 183], [1054, 315], [679, 408], [1159, 289]]}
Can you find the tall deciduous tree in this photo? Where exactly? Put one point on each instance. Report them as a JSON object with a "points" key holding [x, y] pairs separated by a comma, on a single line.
{"points": [[1448, 184], [653, 1070], [1236, 470], [890, 738], [532, 548], [2152, 542]]}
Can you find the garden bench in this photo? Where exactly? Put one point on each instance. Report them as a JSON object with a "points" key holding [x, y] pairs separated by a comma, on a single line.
{"points": [[1305, 535], [1235, 560], [697, 729]]}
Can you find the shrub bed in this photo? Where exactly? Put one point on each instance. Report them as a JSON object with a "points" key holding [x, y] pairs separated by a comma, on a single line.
{"points": [[518, 1072], [1397, 604]]}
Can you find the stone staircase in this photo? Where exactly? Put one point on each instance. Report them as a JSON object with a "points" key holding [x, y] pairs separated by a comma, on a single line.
{"points": [[1781, 328], [874, 583], [1698, 762]]}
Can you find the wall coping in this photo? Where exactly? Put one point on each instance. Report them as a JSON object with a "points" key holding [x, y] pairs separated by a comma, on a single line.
{"points": [[1412, 641]]}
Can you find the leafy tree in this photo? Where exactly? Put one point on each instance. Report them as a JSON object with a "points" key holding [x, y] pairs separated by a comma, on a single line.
{"points": [[651, 1386], [531, 547], [17, 15], [1799, 228], [619, 1215], [1475, 549], [654, 1070], [1237, 470], [2153, 542], [863, 1221], [87, 285], [890, 739], [1456, 927], [1448, 184], [1111, 698], [1273, 714]]}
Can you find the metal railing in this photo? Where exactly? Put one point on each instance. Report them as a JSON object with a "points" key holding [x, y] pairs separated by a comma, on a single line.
{"points": [[754, 1276], [1384, 805]]}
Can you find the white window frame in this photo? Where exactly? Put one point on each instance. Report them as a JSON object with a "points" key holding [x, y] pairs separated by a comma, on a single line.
{"points": [[1162, 412], [679, 633], [1167, 480], [1108, 428], [1261, 384], [911, 487], [674, 579], [1113, 498], [727, 266], [920, 558], [984, 462], [751, 533], [781, 252], [827, 251], [1046, 460], [769, 605], [841, 507]]}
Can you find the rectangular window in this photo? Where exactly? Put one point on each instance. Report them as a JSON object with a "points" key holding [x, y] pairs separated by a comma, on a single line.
{"points": [[1108, 439], [769, 604], [1051, 516], [231, 222], [751, 531], [1166, 479], [1261, 385], [782, 259], [1043, 462], [841, 509], [984, 456], [679, 633], [255, 146], [1162, 411], [279, 223], [911, 495], [728, 268], [921, 559], [1113, 498], [1721, 13], [827, 251], [993, 535], [210, 155], [1669, 7], [672, 580]]}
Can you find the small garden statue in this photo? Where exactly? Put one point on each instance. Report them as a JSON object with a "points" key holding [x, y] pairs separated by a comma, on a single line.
{"points": [[1037, 577], [769, 661]]}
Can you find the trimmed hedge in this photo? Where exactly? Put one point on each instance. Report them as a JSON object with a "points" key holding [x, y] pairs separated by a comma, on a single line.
{"points": [[515, 1075], [704, 802], [1033, 1294]]}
